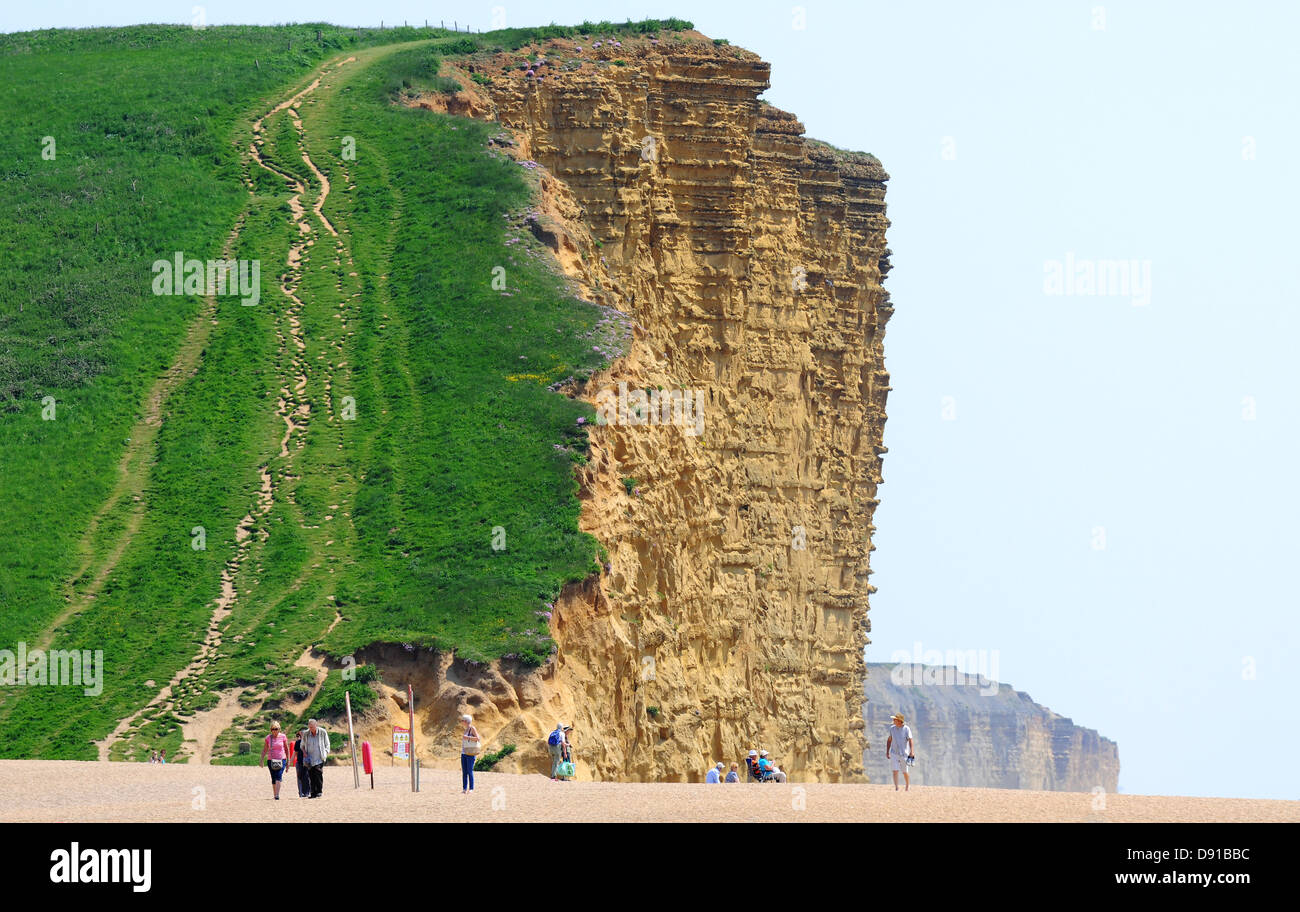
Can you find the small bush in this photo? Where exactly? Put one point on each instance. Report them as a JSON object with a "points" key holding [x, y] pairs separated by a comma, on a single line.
{"points": [[487, 761]]}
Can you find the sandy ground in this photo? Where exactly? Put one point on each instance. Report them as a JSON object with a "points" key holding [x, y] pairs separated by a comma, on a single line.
{"points": [[62, 791]]}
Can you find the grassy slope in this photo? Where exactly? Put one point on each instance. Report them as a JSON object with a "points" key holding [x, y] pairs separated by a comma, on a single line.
{"points": [[444, 448]]}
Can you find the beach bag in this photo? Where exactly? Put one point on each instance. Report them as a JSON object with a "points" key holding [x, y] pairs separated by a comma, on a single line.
{"points": [[470, 746], [565, 769]]}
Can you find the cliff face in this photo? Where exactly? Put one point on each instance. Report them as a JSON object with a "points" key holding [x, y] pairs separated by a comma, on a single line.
{"points": [[733, 611], [988, 735]]}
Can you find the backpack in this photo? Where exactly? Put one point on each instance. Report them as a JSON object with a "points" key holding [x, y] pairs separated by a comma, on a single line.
{"points": [[554, 739]]}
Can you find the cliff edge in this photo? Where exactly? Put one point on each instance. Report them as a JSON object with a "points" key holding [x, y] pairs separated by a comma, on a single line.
{"points": [[732, 612]]}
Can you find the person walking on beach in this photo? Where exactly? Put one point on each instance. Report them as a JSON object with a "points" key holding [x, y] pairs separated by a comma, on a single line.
{"points": [[555, 743], [276, 747], [315, 751], [300, 767], [470, 746], [714, 774], [898, 750], [567, 754]]}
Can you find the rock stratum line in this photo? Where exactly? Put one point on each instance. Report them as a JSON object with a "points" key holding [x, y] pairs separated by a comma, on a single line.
{"points": [[734, 610]]}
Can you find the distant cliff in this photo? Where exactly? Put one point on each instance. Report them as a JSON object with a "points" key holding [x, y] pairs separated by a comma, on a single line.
{"points": [[967, 734]]}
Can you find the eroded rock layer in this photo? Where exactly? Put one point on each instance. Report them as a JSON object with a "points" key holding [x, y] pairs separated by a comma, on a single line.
{"points": [[733, 612]]}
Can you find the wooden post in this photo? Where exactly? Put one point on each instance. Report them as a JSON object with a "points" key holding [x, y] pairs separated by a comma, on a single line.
{"points": [[352, 740], [410, 708]]}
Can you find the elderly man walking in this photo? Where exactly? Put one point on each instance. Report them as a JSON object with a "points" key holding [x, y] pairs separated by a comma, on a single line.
{"points": [[898, 750], [555, 743], [315, 751]]}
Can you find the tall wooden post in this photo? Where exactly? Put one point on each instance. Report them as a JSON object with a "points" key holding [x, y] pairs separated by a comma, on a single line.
{"points": [[352, 739], [410, 707]]}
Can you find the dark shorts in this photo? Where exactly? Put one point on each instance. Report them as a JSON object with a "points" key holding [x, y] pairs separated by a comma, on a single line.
{"points": [[276, 774]]}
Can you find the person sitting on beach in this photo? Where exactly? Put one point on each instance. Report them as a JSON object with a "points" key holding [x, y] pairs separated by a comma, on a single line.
{"points": [[752, 763], [714, 774], [734, 775], [768, 769], [162, 757], [153, 757]]}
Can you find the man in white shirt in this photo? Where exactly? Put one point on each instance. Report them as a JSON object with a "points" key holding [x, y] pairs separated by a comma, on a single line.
{"points": [[715, 774], [898, 748], [315, 751]]}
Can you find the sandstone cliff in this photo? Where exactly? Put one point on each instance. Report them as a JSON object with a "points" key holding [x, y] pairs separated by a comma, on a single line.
{"points": [[733, 610], [981, 734]]}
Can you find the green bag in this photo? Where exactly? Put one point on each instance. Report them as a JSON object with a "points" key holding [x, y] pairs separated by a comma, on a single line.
{"points": [[565, 769]]}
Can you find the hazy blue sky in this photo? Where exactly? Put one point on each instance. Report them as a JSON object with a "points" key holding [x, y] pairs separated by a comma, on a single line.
{"points": [[1103, 493]]}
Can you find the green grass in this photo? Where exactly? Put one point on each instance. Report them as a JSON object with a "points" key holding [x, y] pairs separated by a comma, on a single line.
{"points": [[144, 165], [485, 763], [387, 519], [459, 433]]}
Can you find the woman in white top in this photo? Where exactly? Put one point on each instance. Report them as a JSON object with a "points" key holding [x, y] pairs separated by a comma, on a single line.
{"points": [[470, 745]]}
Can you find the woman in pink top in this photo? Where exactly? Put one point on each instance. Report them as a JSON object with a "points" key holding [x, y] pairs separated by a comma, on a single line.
{"points": [[276, 746]]}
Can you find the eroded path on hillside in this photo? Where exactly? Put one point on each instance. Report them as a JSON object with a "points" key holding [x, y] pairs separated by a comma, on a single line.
{"points": [[201, 729], [133, 470]]}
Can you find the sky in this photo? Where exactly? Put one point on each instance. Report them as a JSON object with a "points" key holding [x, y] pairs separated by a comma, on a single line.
{"points": [[1091, 484]]}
